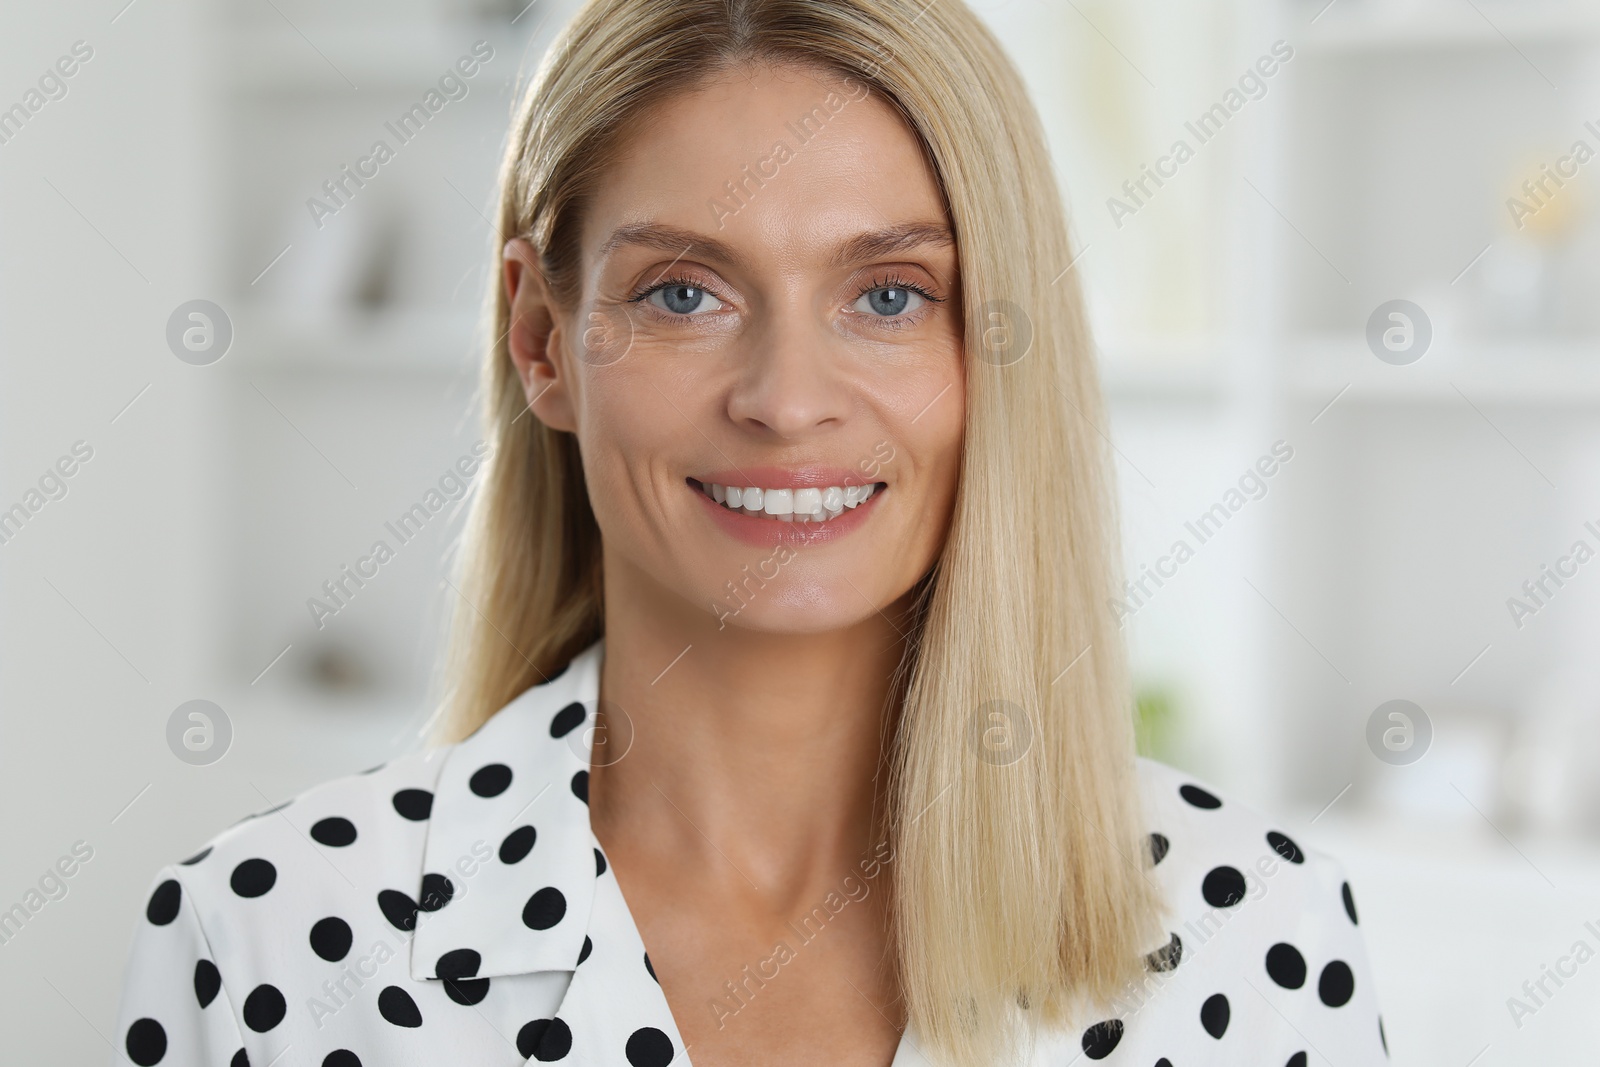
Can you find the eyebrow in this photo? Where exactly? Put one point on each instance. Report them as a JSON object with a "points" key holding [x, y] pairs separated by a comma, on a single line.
{"points": [[873, 244]]}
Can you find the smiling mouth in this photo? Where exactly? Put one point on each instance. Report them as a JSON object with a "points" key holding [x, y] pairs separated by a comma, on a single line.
{"points": [[822, 504]]}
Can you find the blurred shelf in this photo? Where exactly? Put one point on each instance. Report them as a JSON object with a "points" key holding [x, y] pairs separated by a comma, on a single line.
{"points": [[1361, 26], [1528, 372], [402, 57], [1162, 370], [426, 340]]}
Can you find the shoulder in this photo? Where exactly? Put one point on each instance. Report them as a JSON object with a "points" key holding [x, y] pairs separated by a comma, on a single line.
{"points": [[346, 916], [1263, 955], [1258, 915], [358, 834], [1262, 961], [385, 850], [1213, 852]]}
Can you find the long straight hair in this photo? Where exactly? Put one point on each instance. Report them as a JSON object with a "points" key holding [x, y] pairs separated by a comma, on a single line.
{"points": [[1019, 856]]}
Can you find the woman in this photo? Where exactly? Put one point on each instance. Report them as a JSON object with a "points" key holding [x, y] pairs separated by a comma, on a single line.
{"points": [[782, 646]]}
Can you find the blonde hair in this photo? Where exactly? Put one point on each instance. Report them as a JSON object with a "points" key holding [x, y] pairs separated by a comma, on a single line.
{"points": [[1018, 880]]}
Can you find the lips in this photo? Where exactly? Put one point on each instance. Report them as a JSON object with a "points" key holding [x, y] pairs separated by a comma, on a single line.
{"points": [[809, 506]]}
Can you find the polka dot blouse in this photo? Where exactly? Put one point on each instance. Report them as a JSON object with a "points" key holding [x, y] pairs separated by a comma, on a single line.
{"points": [[455, 907]]}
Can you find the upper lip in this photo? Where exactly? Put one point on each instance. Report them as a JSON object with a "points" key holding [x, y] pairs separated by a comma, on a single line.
{"points": [[807, 477]]}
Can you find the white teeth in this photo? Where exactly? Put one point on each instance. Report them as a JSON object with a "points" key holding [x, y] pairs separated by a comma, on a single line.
{"points": [[790, 505], [855, 494]]}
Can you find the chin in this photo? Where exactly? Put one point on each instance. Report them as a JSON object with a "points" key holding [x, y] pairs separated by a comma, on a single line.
{"points": [[798, 608]]}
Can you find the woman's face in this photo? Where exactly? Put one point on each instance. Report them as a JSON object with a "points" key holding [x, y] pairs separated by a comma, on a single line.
{"points": [[770, 317]]}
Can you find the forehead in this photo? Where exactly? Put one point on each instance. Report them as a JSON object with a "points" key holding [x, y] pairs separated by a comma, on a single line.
{"points": [[785, 161]]}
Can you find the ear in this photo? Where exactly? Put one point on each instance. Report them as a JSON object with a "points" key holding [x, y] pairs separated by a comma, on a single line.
{"points": [[536, 337]]}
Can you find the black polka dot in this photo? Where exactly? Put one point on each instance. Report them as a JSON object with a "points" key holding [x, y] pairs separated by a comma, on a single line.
{"points": [[1163, 1062], [580, 786], [207, 982], [458, 963], [146, 1042], [1297, 1060], [334, 832], [1199, 797], [648, 1047], [567, 720], [588, 947], [253, 878], [240, 1059], [1349, 901], [468, 991], [1158, 848], [1101, 1038], [163, 906], [414, 804], [544, 909], [491, 780], [1286, 966], [341, 1057], [331, 938], [599, 863], [197, 857], [1167, 957], [1223, 887], [650, 968], [1337, 984], [545, 1040], [1214, 1015], [399, 909], [518, 844], [397, 1007], [1285, 847], [528, 1037], [457, 968], [264, 1008], [437, 891]]}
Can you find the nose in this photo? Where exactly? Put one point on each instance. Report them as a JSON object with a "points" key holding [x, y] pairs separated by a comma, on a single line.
{"points": [[790, 383]]}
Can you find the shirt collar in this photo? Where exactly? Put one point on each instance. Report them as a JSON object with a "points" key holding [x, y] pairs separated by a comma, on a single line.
{"points": [[507, 907], [510, 864]]}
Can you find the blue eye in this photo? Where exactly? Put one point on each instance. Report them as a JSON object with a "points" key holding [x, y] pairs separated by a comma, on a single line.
{"points": [[680, 299], [889, 301]]}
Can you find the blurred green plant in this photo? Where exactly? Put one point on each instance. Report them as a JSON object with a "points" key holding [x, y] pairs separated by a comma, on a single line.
{"points": [[1156, 721]]}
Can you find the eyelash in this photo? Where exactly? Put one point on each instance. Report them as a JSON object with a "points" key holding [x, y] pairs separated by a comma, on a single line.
{"points": [[892, 282]]}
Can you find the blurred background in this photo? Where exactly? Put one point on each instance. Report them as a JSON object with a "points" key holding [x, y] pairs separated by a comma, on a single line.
{"points": [[222, 383]]}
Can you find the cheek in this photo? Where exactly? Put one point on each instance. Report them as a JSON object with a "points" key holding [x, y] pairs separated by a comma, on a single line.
{"points": [[637, 437], [620, 430], [937, 440], [928, 426]]}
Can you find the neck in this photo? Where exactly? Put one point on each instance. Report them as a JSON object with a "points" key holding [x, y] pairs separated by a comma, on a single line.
{"points": [[761, 755]]}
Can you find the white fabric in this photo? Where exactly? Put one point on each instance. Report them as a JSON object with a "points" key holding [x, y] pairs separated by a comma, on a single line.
{"points": [[316, 933]]}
